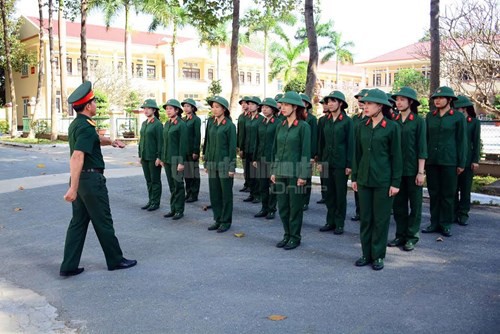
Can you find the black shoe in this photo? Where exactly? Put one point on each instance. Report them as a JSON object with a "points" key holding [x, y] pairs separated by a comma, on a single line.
{"points": [[178, 216], [124, 264], [395, 242], [223, 228], [446, 232], [326, 228], [409, 246], [430, 229], [378, 264], [321, 201], [169, 215], [213, 227], [355, 218], [145, 206], [282, 243], [305, 208], [248, 199], [292, 245], [255, 201], [153, 207], [68, 273], [270, 215], [260, 214], [244, 189], [191, 200], [338, 230], [362, 261]]}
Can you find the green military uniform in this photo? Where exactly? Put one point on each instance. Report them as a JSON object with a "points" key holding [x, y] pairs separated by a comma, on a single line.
{"points": [[313, 125], [446, 147], [266, 133], [462, 199], [323, 174], [150, 148], [291, 161], [335, 151], [251, 133], [220, 160], [174, 152], [240, 140], [413, 148], [192, 168], [92, 201], [377, 166]]}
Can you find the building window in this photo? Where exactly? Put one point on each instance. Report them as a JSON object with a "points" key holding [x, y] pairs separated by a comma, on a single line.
{"points": [[24, 70], [79, 65], [69, 66], [211, 74], [377, 78], [257, 78], [119, 67], [192, 96], [191, 71], [56, 60], [280, 85], [249, 78], [426, 71], [93, 64], [139, 72], [389, 76], [151, 72], [242, 77], [26, 102]]}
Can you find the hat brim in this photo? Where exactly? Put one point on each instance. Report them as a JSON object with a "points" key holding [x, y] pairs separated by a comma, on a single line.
{"points": [[192, 105], [269, 105], [417, 103], [453, 97], [210, 103], [147, 106], [346, 105], [376, 100], [292, 101], [463, 105]]}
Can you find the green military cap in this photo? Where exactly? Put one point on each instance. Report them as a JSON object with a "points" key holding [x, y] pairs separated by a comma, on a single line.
{"points": [[190, 102], [269, 101], [463, 102], [407, 92], [444, 91], [82, 94], [150, 103], [389, 98], [361, 93], [254, 99], [338, 95], [173, 103], [322, 101], [292, 97], [244, 99], [278, 97], [220, 100], [305, 98], [376, 96]]}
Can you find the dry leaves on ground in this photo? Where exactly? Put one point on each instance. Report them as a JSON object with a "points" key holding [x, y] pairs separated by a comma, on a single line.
{"points": [[277, 317], [40, 166], [21, 188], [239, 235], [439, 239], [17, 209]]}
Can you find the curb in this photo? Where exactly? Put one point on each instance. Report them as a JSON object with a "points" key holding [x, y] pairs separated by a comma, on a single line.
{"points": [[7, 143]]}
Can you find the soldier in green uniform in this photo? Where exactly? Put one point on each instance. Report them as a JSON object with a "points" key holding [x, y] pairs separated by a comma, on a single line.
{"points": [[446, 148], [266, 133], [462, 199], [321, 122], [313, 125], [414, 152], [376, 175], [240, 144], [291, 167], [335, 153], [359, 118], [87, 192], [280, 116], [251, 132], [150, 148], [192, 168], [173, 157]]}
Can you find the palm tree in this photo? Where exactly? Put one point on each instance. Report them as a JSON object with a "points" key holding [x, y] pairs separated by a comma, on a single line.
{"points": [[435, 45], [285, 57], [312, 42], [338, 49], [215, 39], [235, 87]]}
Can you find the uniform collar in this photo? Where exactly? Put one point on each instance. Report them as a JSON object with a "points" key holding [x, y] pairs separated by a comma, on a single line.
{"points": [[383, 122], [295, 123], [450, 112], [223, 122], [151, 120]]}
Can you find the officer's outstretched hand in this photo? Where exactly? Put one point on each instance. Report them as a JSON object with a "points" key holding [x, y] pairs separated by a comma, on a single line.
{"points": [[393, 191], [180, 167], [273, 178], [231, 174], [301, 182], [70, 195], [459, 170], [354, 186], [117, 143], [348, 171]]}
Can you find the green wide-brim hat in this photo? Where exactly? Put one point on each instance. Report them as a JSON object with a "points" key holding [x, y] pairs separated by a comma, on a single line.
{"points": [[292, 97], [389, 98], [407, 92], [361, 93], [269, 101], [444, 91], [338, 95], [173, 103], [220, 100], [244, 99], [278, 97], [322, 101], [306, 98], [377, 96], [254, 99], [150, 103], [463, 102], [191, 102]]}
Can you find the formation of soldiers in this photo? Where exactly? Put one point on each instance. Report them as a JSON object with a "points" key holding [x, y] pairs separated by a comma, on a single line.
{"points": [[386, 149]]}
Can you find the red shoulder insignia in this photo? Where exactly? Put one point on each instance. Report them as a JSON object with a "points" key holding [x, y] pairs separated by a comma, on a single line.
{"points": [[398, 117], [175, 121], [283, 124], [435, 113], [329, 115], [272, 120], [411, 117], [451, 112], [224, 121], [383, 124], [91, 122], [469, 119], [296, 122], [393, 115], [341, 117], [368, 121]]}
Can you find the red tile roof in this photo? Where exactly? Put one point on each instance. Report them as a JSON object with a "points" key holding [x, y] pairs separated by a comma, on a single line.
{"points": [[247, 52], [410, 52], [97, 32]]}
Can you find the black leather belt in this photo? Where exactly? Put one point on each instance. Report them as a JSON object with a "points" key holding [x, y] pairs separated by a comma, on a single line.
{"points": [[93, 170]]}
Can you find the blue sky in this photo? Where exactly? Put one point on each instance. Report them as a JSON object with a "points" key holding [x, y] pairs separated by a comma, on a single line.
{"points": [[375, 27]]}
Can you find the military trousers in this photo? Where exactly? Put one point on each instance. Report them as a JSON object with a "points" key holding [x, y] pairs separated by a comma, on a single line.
{"points": [[322, 177], [152, 174], [375, 214], [290, 206], [192, 177], [266, 187], [336, 197], [221, 196], [252, 181], [176, 185], [442, 187], [91, 204], [408, 219], [462, 197]]}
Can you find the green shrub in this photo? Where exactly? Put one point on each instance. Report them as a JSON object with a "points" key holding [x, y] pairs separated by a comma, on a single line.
{"points": [[4, 127]]}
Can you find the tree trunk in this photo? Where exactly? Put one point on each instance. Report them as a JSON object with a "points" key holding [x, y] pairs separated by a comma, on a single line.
{"points": [[235, 89], [435, 46], [337, 72], [313, 48], [62, 56], [172, 50], [40, 73], [265, 65], [12, 113], [128, 45], [83, 41], [53, 106]]}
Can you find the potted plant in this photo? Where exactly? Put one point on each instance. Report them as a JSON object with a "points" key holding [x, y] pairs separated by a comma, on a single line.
{"points": [[102, 127]]}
